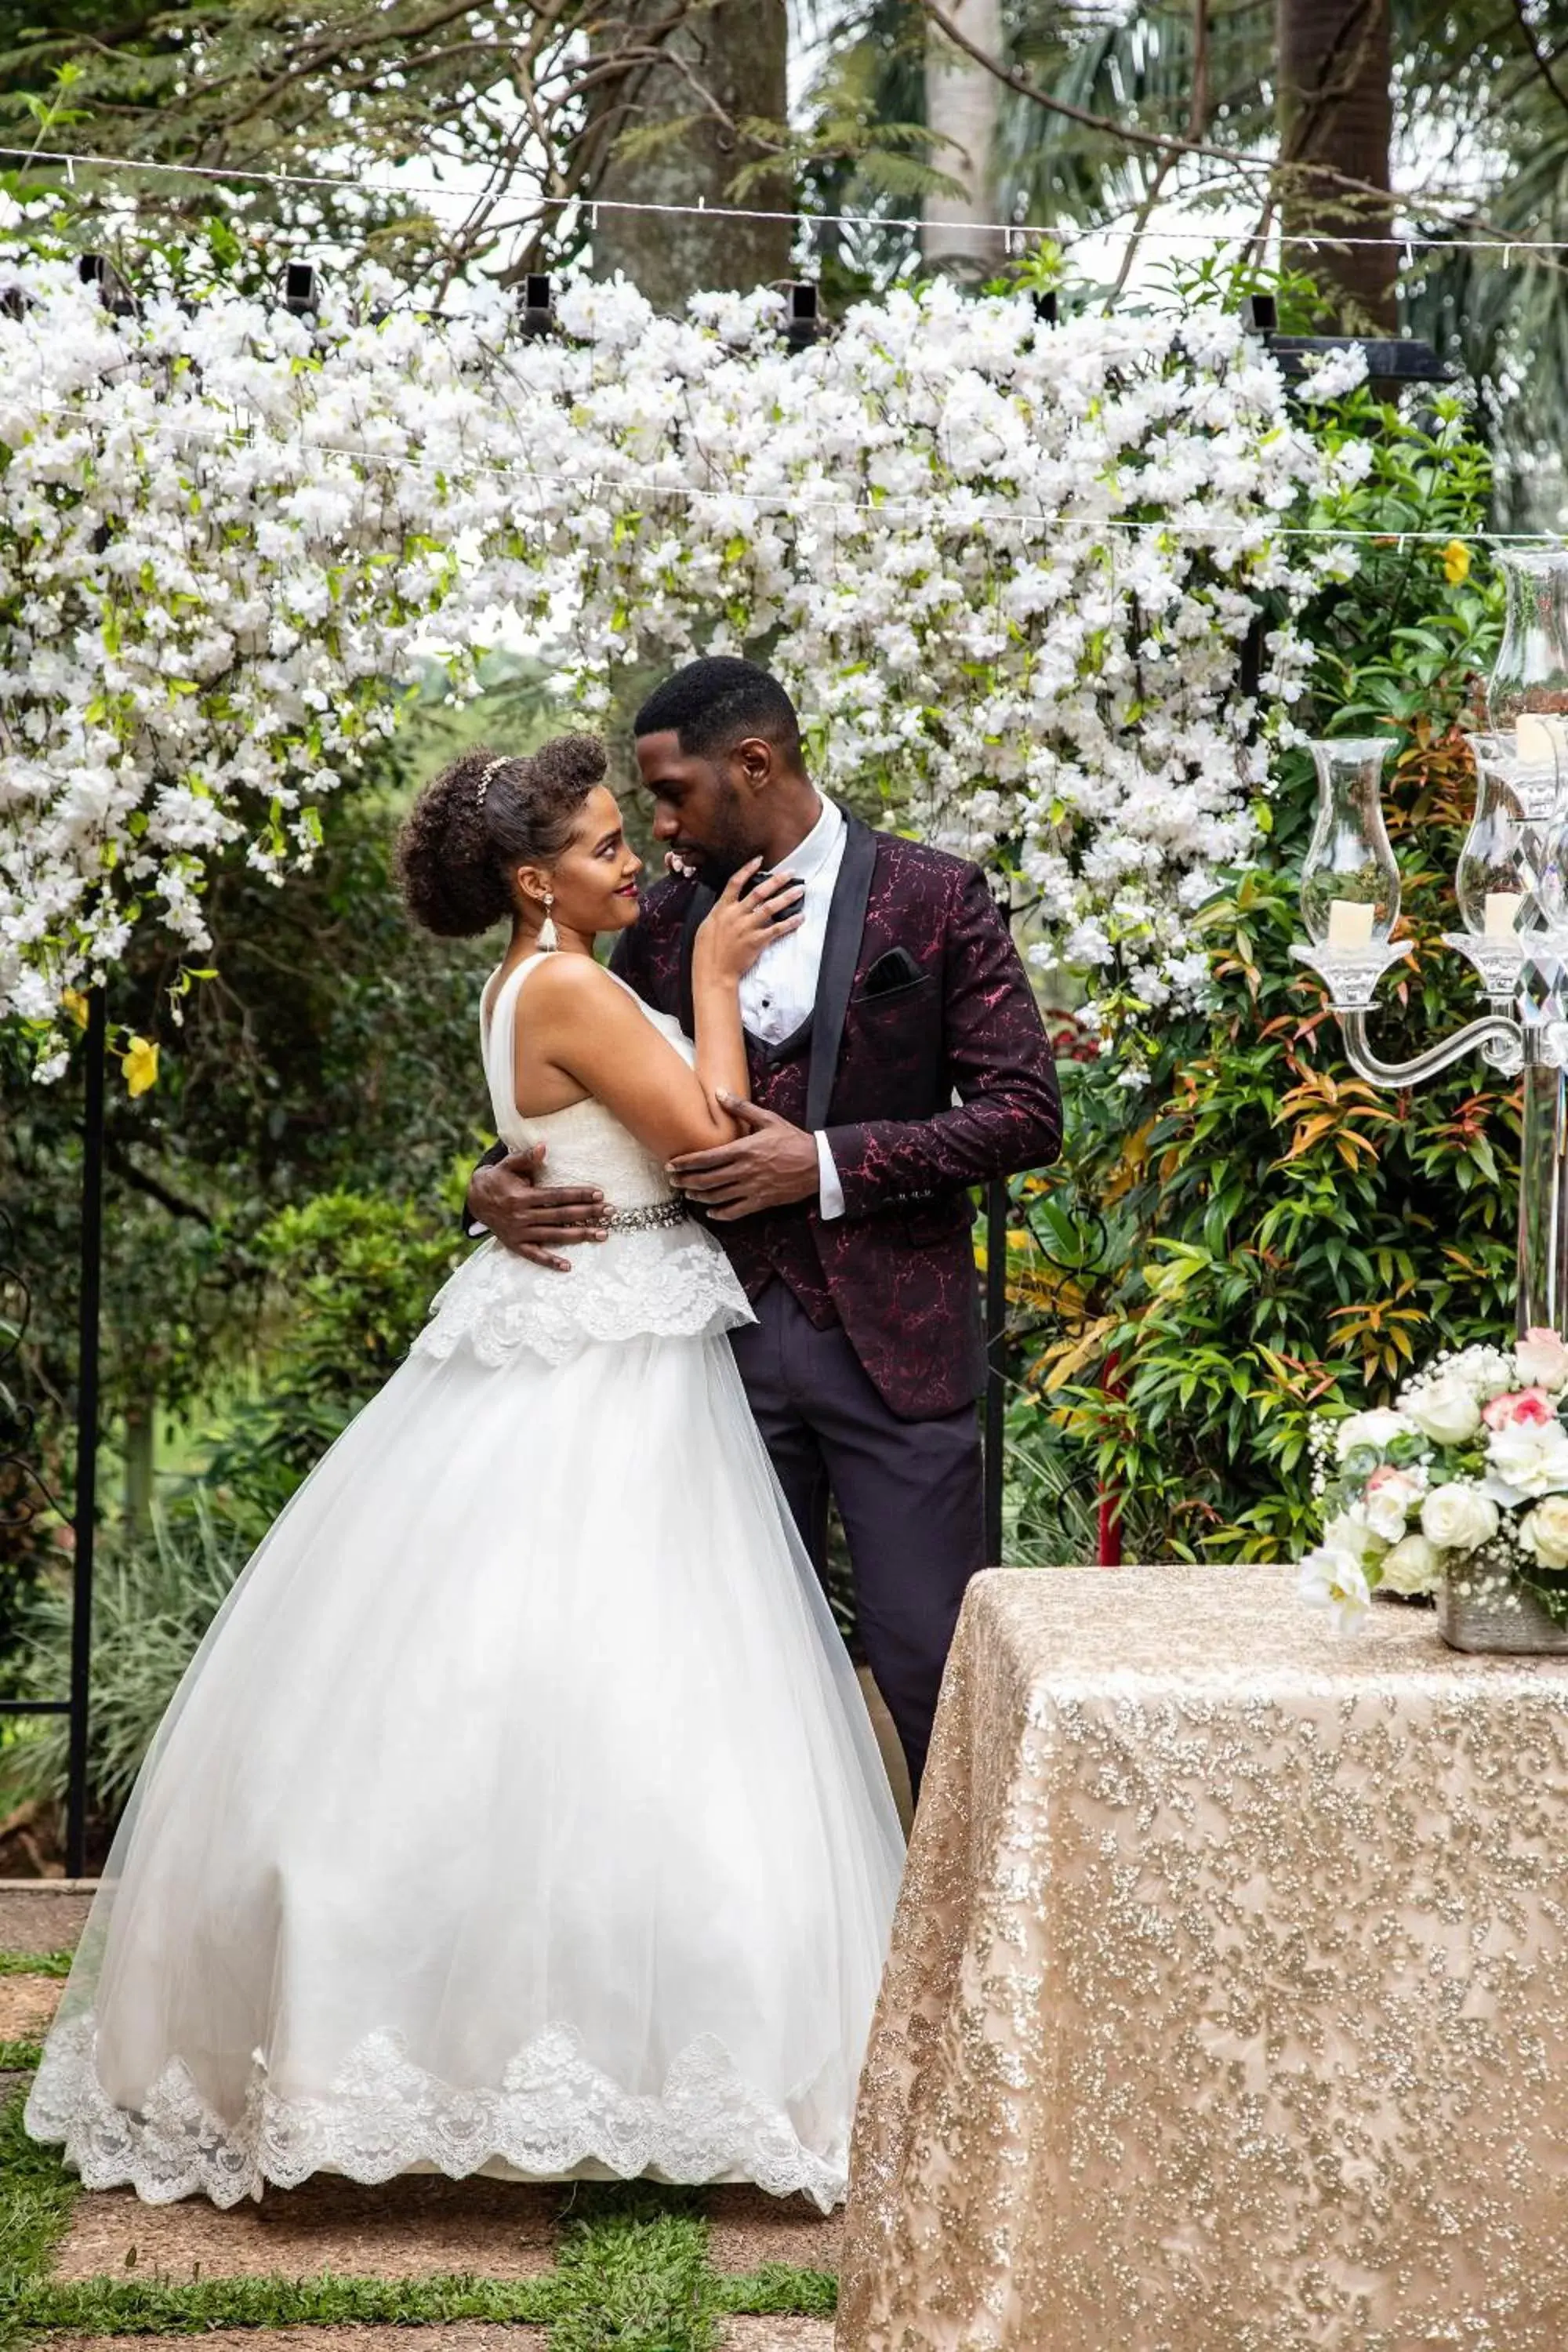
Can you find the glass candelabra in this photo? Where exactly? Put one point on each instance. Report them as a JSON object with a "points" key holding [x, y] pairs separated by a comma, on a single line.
{"points": [[1511, 885]]}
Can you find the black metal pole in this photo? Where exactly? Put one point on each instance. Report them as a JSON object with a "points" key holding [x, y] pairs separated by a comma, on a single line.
{"points": [[86, 1513], [996, 1360]]}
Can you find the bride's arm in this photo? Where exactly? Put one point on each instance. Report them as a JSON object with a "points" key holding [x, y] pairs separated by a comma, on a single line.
{"points": [[586, 1025], [727, 945]]}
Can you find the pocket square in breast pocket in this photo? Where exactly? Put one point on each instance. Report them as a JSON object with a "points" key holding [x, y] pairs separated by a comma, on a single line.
{"points": [[897, 969]]}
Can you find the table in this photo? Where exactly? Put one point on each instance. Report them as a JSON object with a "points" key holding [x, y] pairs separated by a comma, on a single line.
{"points": [[1227, 2004]]}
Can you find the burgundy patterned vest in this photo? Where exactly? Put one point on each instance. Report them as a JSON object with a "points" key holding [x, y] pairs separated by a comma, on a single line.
{"points": [[784, 1243]]}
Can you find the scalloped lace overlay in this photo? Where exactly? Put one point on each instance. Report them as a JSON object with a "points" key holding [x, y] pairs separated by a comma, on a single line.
{"points": [[553, 2113], [675, 1283]]}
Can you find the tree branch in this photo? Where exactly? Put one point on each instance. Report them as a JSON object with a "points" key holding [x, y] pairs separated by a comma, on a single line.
{"points": [[1014, 78], [125, 1168], [1197, 123], [1538, 56]]}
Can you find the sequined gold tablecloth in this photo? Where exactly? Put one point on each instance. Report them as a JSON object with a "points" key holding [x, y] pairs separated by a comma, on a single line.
{"points": [[1228, 2009]]}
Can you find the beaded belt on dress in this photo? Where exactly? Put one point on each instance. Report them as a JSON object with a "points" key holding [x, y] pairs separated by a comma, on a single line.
{"points": [[644, 1221]]}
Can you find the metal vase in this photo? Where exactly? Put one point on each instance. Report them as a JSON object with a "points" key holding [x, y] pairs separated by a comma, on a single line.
{"points": [[1492, 1623]]}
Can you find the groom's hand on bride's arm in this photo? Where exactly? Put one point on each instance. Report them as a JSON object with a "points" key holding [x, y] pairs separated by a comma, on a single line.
{"points": [[770, 1164], [530, 1219]]}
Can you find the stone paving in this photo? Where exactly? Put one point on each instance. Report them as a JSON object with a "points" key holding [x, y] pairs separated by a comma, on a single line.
{"points": [[410, 2230]]}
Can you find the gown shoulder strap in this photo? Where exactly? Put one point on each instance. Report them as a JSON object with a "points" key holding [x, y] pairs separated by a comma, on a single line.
{"points": [[497, 1041]]}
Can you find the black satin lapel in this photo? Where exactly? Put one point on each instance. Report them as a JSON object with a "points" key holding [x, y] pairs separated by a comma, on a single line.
{"points": [[696, 913], [840, 954]]}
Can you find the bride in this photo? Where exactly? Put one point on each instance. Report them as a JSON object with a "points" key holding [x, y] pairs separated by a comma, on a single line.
{"points": [[520, 1814]]}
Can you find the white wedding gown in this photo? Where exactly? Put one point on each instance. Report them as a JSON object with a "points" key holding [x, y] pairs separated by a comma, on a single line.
{"points": [[520, 1814]]}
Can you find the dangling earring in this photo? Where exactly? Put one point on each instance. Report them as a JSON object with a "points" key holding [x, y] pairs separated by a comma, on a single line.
{"points": [[549, 938]]}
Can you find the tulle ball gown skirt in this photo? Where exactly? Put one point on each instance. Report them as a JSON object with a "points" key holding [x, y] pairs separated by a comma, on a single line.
{"points": [[520, 1815]]}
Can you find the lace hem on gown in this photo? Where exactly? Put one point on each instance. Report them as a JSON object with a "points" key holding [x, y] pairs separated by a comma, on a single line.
{"points": [[553, 2114], [666, 1284]]}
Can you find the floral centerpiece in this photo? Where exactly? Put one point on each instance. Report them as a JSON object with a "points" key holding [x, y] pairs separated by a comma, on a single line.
{"points": [[1460, 1489]]}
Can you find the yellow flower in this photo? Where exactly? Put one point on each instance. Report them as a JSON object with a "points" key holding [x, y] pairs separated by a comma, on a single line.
{"points": [[74, 1003], [141, 1066], [1455, 562]]}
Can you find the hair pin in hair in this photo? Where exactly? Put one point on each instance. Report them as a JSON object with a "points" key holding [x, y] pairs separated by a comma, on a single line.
{"points": [[484, 783]]}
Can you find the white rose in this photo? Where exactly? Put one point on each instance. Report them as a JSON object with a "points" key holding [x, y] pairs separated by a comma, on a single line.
{"points": [[1459, 1517], [1390, 1498], [1333, 1581], [1412, 1565], [1378, 1428], [1446, 1410], [1529, 1458], [1545, 1531], [1542, 1360]]}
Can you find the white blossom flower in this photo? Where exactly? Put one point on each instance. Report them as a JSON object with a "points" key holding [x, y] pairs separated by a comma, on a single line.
{"points": [[1328, 375], [217, 563], [1333, 1581]]}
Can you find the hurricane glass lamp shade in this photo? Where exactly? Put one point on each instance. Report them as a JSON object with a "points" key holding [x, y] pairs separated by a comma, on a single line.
{"points": [[1530, 675], [1493, 877], [1349, 883]]}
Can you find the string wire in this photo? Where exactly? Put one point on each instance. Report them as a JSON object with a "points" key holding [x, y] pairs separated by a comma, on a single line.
{"points": [[1406, 241]]}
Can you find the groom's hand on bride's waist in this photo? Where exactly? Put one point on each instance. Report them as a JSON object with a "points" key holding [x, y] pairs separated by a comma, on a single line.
{"points": [[531, 1219], [772, 1164]]}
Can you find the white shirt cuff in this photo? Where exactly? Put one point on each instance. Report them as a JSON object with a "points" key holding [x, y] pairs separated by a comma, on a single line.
{"points": [[830, 1191]]}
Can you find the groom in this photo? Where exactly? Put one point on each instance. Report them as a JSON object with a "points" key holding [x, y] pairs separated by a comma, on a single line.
{"points": [[897, 1057]]}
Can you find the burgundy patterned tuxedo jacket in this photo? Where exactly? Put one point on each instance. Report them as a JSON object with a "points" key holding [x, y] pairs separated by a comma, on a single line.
{"points": [[921, 996]]}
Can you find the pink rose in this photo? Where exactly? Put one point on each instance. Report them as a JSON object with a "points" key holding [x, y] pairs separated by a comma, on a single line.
{"points": [[1542, 1357], [1520, 1405]]}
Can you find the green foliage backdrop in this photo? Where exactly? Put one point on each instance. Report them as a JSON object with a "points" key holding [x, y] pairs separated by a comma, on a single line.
{"points": [[1263, 1232]]}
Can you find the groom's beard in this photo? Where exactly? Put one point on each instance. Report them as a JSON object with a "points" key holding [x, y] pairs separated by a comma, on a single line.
{"points": [[711, 867]]}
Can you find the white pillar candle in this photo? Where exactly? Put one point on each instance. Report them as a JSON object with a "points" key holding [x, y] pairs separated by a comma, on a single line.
{"points": [[1539, 741], [1502, 906], [1350, 925]]}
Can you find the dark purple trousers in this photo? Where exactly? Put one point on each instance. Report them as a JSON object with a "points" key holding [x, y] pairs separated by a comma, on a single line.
{"points": [[910, 1493]]}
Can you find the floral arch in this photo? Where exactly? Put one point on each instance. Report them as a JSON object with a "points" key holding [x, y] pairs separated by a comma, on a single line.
{"points": [[1008, 569]]}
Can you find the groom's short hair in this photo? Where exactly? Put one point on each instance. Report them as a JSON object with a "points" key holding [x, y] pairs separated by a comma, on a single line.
{"points": [[709, 706]]}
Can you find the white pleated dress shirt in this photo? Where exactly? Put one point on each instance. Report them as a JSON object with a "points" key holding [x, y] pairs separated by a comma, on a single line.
{"points": [[779, 991]]}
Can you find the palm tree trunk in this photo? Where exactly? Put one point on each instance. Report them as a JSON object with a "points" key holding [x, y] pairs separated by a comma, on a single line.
{"points": [[726, 61], [961, 105], [1336, 121]]}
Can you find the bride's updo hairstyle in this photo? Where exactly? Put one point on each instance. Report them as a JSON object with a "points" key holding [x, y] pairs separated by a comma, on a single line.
{"points": [[480, 819]]}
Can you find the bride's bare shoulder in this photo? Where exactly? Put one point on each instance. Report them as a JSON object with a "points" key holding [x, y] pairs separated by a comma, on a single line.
{"points": [[576, 988]]}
